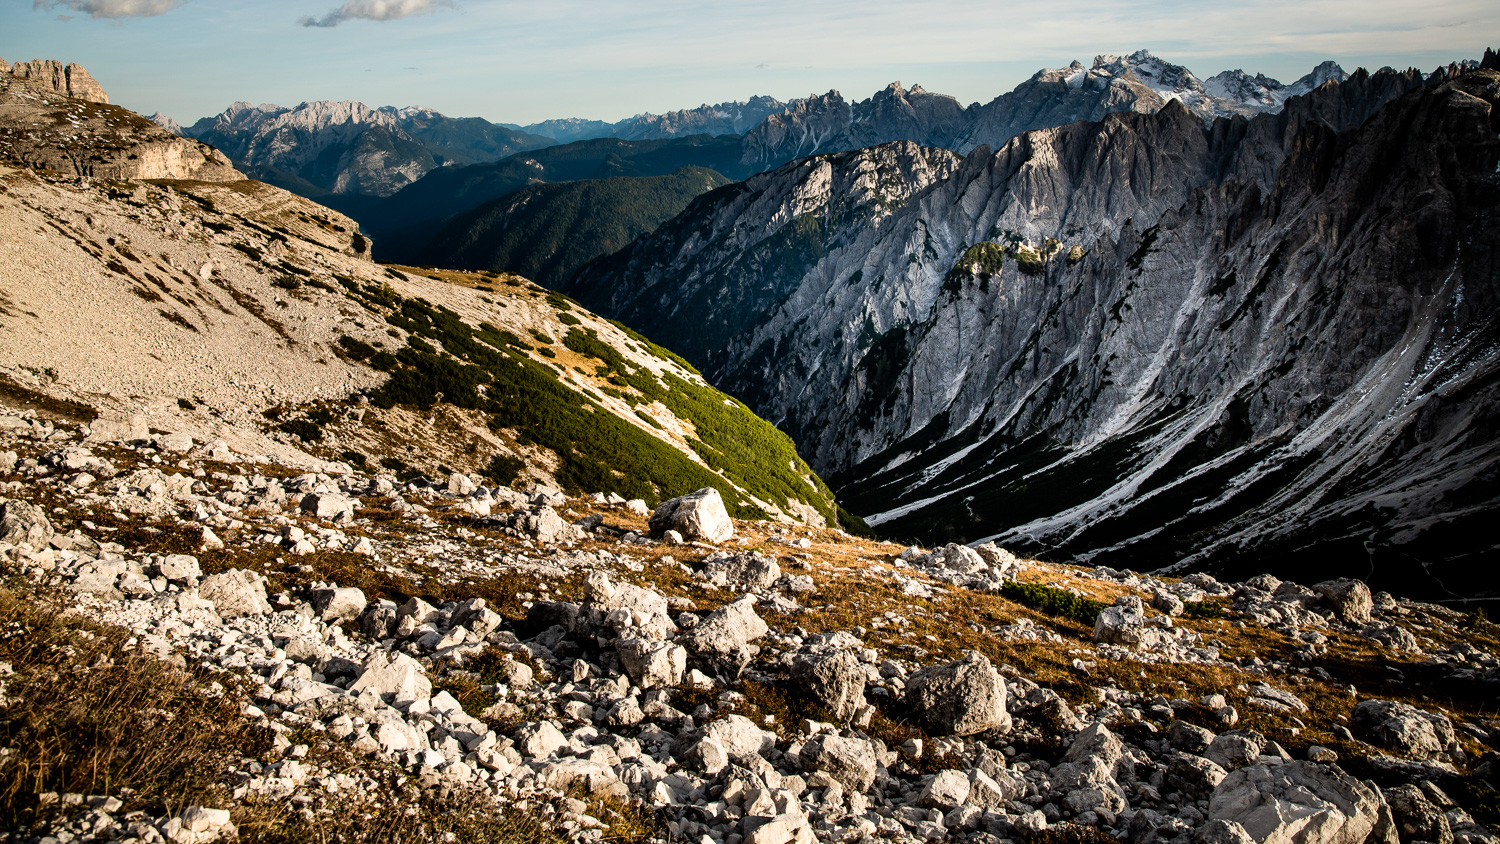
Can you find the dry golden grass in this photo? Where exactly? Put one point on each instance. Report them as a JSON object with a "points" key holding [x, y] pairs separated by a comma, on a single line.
{"points": [[85, 714]]}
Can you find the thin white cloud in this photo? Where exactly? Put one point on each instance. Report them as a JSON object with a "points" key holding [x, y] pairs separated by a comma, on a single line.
{"points": [[375, 10], [111, 8]]}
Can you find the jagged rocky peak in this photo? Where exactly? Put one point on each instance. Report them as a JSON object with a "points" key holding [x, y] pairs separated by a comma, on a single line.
{"points": [[1161, 75], [727, 118], [312, 117], [1261, 93], [829, 123], [70, 79], [166, 123], [1140, 82]]}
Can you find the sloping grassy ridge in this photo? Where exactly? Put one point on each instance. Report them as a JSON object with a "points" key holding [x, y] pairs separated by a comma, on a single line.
{"points": [[488, 369]]}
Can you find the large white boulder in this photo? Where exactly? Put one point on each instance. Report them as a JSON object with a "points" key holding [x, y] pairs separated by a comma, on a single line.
{"points": [[1122, 624], [338, 603], [1299, 803], [697, 515], [739, 736], [394, 676], [235, 593], [1350, 599]]}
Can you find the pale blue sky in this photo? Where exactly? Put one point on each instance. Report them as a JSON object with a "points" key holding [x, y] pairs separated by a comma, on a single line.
{"points": [[520, 61]]}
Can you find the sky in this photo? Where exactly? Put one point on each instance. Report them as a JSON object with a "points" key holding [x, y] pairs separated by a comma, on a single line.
{"points": [[523, 61]]}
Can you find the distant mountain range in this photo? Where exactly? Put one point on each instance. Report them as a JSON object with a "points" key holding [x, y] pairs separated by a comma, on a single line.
{"points": [[325, 148], [408, 175], [1137, 341], [731, 118], [404, 223]]}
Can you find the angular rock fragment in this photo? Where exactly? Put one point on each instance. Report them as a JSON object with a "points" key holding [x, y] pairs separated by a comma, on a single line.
{"points": [[722, 639], [836, 680], [652, 664], [1402, 728], [1298, 803], [850, 761], [1350, 599], [394, 676], [24, 523], [1122, 624], [236, 592], [338, 603], [962, 698], [747, 572]]}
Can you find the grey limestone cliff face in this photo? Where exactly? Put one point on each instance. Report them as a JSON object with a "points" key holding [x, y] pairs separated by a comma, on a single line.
{"points": [[1146, 342], [736, 254], [70, 80]]}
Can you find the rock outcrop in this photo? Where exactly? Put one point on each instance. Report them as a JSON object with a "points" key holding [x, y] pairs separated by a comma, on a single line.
{"points": [[1402, 728], [70, 79], [44, 128], [1302, 803], [697, 515], [962, 698]]}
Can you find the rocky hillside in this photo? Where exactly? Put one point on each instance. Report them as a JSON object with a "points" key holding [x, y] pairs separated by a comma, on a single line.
{"points": [[40, 127], [219, 647], [1139, 341], [239, 311], [349, 148], [735, 256]]}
